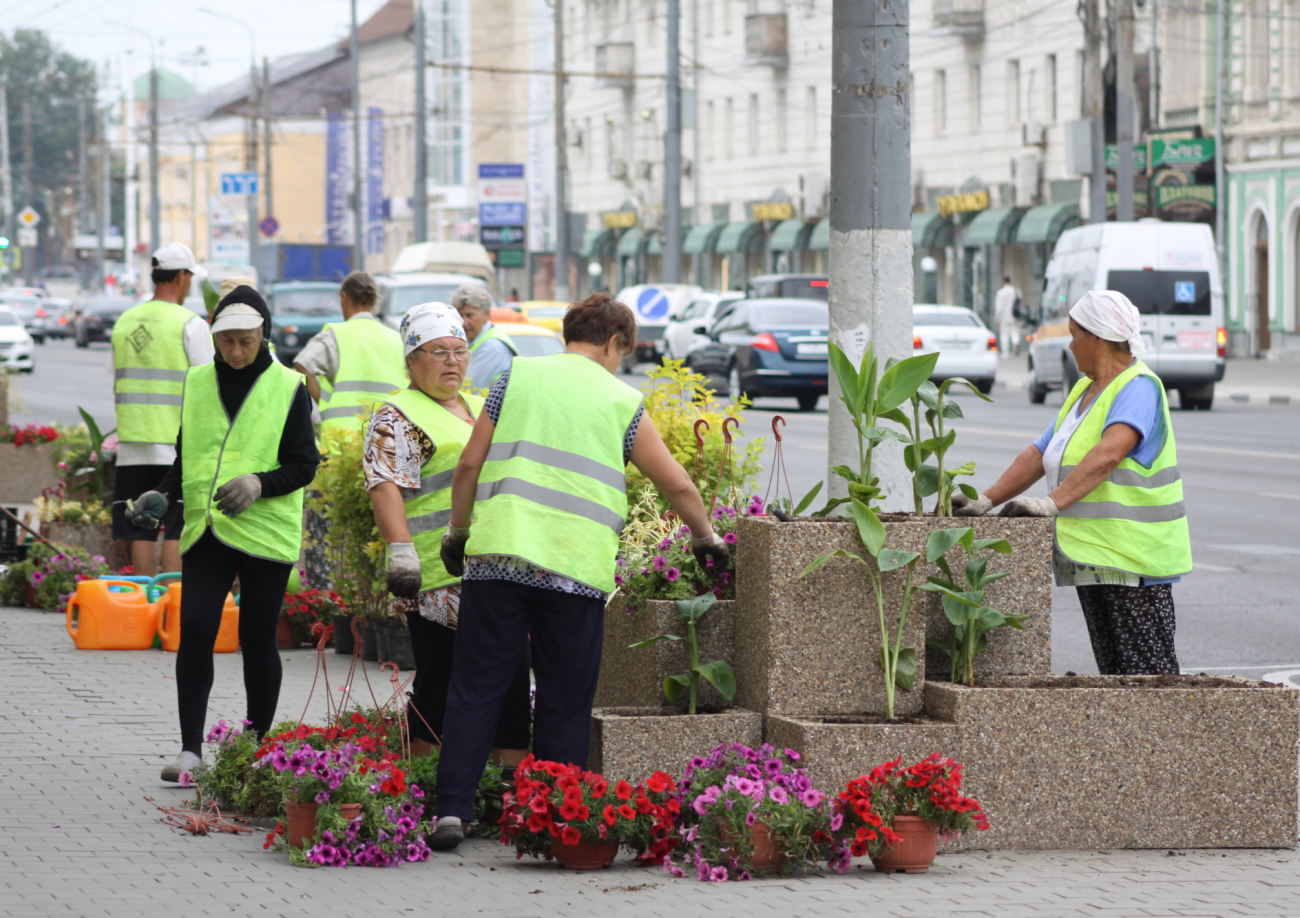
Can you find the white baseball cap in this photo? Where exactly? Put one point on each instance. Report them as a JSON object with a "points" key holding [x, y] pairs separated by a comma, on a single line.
{"points": [[237, 316], [176, 256]]}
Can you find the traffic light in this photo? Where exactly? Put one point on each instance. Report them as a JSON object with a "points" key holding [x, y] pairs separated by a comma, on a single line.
{"points": [[4, 242]]}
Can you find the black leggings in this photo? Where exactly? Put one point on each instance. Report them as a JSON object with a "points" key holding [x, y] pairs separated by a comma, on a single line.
{"points": [[209, 572]]}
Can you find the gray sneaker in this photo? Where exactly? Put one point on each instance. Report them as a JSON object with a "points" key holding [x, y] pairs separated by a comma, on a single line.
{"points": [[186, 761], [448, 835]]}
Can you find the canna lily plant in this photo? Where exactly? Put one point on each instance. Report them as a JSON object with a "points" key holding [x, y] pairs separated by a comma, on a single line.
{"points": [[718, 673], [938, 478], [898, 663]]}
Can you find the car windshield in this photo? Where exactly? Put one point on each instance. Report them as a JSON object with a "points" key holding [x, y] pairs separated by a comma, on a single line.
{"points": [[537, 345], [109, 304], [7, 317], [1167, 293], [309, 301], [397, 300], [547, 312], [25, 302], [965, 320], [811, 315]]}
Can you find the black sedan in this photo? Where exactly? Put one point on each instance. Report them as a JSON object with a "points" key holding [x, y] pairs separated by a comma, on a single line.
{"points": [[768, 347], [299, 310], [98, 314]]}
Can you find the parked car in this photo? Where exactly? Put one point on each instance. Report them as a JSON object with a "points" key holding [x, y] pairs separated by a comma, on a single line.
{"points": [[789, 286], [690, 328], [399, 292], [54, 319], [966, 346], [1170, 272], [300, 309], [653, 305], [16, 347], [546, 313], [97, 316], [768, 347], [533, 340], [25, 306], [58, 271]]}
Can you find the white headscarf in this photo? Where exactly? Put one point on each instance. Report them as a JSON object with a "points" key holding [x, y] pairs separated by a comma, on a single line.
{"points": [[1109, 315], [429, 321]]}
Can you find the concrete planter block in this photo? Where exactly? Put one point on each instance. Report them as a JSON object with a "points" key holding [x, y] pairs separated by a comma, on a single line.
{"points": [[810, 647], [634, 743], [1028, 591], [635, 678], [25, 471], [96, 538]]}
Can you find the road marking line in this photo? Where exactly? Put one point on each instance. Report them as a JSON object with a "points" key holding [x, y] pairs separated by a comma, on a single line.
{"points": [[1285, 677], [1202, 566], [1186, 447], [1284, 496], [1210, 669]]}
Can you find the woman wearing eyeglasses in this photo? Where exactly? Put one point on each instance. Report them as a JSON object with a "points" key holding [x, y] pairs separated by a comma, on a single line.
{"points": [[411, 449]]}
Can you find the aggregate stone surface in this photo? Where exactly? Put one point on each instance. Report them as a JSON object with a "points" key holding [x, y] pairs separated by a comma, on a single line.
{"points": [[634, 743], [84, 734]]}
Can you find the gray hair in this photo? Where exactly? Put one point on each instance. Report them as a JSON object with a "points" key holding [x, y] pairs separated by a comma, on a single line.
{"points": [[471, 296]]}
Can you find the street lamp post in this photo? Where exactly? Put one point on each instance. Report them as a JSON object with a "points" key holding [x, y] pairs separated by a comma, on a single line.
{"points": [[155, 208]]}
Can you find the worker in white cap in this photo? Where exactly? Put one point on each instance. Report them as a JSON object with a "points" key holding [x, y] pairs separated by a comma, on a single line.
{"points": [[154, 344], [245, 452], [1115, 491]]}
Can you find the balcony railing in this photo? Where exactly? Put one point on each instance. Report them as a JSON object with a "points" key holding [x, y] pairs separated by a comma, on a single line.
{"points": [[614, 65], [766, 43], [960, 17]]}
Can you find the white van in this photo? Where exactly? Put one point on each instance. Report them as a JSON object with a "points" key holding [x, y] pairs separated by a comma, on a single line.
{"points": [[1170, 272], [653, 305]]}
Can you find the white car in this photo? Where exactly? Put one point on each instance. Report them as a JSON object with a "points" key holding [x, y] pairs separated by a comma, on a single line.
{"points": [[399, 292], [16, 345], [684, 331], [966, 346]]}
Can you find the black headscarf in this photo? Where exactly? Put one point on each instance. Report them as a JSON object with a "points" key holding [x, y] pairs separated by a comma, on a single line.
{"points": [[249, 297]]}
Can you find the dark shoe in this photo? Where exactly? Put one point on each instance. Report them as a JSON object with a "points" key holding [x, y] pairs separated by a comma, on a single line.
{"points": [[449, 834]]}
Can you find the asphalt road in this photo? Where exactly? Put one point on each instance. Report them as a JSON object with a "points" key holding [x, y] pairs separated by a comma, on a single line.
{"points": [[1237, 613]]}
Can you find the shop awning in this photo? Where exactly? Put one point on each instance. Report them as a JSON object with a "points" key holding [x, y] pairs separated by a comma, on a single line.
{"points": [[701, 238], [740, 237], [656, 244], [995, 226], [630, 242], [1046, 223], [930, 230], [597, 243], [787, 236], [820, 240]]}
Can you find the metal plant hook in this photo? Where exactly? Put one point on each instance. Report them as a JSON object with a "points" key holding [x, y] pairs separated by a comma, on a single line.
{"points": [[778, 473], [698, 464], [320, 628], [399, 708], [725, 463]]}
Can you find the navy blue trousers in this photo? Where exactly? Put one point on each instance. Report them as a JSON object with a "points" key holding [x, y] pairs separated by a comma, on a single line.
{"points": [[496, 620]]}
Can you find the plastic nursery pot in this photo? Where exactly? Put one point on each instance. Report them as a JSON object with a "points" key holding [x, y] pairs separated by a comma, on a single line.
{"points": [[395, 640], [300, 822], [586, 855], [343, 641], [768, 857], [369, 642], [284, 639], [915, 852], [381, 641]]}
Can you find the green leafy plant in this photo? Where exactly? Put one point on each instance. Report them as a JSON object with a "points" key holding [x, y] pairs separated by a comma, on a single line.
{"points": [[97, 461], [898, 663], [869, 400], [937, 478], [718, 673], [963, 600]]}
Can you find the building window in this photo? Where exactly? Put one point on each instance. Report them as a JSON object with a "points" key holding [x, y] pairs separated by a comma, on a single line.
{"points": [[709, 152], [1291, 47], [1257, 50], [810, 118], [1049, 87], [729, 130], [752, 146], [652, 24], [940, 102], [726, 17], [780, 121], [708, 16], [973, 90], [1013, 92]]}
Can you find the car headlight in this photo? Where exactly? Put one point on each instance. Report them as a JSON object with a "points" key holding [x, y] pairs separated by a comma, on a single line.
{"points": [[290, 340]]}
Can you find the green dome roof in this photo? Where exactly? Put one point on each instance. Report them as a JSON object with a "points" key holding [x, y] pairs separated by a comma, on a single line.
{"points": [[171, 86]]}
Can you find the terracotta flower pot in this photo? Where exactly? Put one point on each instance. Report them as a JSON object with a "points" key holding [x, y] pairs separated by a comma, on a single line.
{"points": [[915, 852], [300, 822], [586, 855], [284, 639], [768, 856]]}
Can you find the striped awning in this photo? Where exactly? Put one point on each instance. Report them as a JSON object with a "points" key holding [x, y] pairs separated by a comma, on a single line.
{"points": [[820, 240], [630, 242], [930, 230], [788, 236], [1046, 223], [746, 236], [656, 244], [702, 238], [995, 226], [597, 243]]}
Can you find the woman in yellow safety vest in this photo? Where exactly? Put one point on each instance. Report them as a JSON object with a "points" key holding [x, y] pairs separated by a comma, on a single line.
{"points": [[412, 445], [1115, 491], [244, 453]]}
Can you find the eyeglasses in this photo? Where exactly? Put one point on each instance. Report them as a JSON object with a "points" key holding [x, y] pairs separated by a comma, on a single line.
{"points": [[460, 355]]}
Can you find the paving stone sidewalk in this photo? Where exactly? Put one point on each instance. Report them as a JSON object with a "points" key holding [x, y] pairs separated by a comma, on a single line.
{"points": [[85, 733]]}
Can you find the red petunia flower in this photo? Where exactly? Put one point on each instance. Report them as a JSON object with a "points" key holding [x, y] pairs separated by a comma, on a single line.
{"points": [[623, 790], [570, 836]]}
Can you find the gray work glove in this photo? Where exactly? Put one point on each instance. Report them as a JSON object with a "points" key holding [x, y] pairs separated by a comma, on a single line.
{"points": [[403, 570], [147, 510], [238, 494], [453, 550], [964, 506], [711, 546], [1029, 506]]}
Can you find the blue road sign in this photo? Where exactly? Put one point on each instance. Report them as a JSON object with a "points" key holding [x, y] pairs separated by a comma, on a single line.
{"points": [[1185, 291], [269, 226], [652, 304], [500, 170], [238, 183], [498, 214]]}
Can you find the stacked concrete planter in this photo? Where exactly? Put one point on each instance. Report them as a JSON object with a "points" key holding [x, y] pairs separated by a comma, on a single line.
{"points": [[96, 538], [25, 471], [634, 743], [1094, 761]]}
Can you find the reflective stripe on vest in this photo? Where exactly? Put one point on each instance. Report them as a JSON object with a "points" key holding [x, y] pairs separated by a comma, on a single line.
{"points": [[552, 491], [492, 333], [149, 365], [216, 450], [1135, 521], [370, 367], [428, 507]]}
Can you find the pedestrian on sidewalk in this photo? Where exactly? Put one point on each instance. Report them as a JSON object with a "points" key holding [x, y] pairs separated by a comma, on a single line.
{"points": [[154, 344], [360, 358], [1112, 466], [244, 452], [491, 350], [543, 481], [412, 446], [1008, 307]]}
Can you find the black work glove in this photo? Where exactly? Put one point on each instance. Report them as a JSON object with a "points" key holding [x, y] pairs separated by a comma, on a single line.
{"points": [[453, 550]]}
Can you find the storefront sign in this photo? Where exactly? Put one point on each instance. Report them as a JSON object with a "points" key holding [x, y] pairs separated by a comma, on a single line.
{"points": [[1185, 202], [501, 237], [1182, 152], [773, 211], [1140, 201], [1139, 157], [620, 219], [962, 203]]}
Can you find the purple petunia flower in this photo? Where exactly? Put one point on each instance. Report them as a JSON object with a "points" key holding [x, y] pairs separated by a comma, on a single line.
{"points": [[811, 798], [660, 562], [718, 874], [729, 538], [673, 574], [773, 766], [836, 821], [671, 869], [749, 819], [778, 794], [185, 779]]}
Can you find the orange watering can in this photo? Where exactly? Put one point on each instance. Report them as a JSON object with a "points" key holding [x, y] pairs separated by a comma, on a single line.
{"points": [[111, 615], [169, 622]]}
